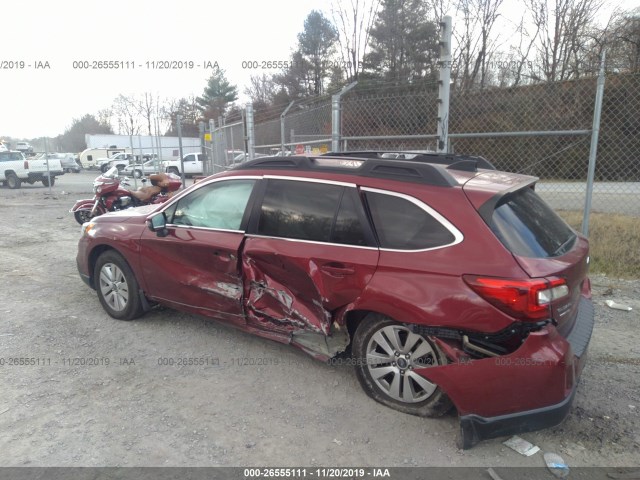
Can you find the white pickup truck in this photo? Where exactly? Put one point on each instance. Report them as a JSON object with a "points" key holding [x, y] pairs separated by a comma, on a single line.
{"points": [[15, 169], [192, 165]]}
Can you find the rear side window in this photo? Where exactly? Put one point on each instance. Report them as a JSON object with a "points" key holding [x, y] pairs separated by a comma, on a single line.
{"points": [[403, 225], [528, 227], [310, 211]]}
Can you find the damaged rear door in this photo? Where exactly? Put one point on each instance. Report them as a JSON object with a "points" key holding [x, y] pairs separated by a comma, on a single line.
{"points": [[309, 252], [196, 265]]}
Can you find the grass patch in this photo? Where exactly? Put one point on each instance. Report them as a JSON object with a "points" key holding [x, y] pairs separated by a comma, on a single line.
{"points": [[614, 242]]}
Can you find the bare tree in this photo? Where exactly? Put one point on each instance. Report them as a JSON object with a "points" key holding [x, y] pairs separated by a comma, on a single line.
{"points": [[127, 113], [353, 19], [147, 109], [621, 40], [440, 8], [564, 35], [523, 50], [475, 42], [261, 89], [105, 116]]}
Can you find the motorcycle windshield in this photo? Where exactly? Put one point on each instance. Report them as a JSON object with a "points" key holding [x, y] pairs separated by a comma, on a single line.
{"points": [[113, 172]]}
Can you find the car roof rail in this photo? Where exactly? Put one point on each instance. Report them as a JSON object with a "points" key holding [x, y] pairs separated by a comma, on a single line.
{"points": [[450, 159], [390, 169]]}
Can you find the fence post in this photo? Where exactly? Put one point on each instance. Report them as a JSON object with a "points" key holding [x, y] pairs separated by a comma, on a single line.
{"points": [[282, 135], [179, 128], [212, 142], [595, 132], [251, 144], [444, 85], [201, 132], [336, 127], [46, 158]]}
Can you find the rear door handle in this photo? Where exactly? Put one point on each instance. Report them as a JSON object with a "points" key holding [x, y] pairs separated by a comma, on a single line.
{"points": [[337, 269]]}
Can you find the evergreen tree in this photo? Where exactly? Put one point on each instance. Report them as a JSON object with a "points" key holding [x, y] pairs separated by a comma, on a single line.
{"points": [[217, 96], [403, 43]]}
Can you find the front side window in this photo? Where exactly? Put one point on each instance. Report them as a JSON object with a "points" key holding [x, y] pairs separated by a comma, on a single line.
{"points": [[219, 205], [403, 225], [311, 211]]}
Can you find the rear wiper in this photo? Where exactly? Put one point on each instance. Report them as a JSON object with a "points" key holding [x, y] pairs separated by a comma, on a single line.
{"points": [[565, 246]]}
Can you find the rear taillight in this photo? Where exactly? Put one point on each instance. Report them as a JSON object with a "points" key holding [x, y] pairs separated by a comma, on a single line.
{"points": [[528, 299], [26, 165]]}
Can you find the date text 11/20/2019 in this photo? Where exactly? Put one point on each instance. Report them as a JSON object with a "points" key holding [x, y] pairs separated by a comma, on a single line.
{"points": [[146, 65], [322, 472]]}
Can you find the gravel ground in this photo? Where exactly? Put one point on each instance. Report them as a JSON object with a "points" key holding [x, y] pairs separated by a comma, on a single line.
{"points": [[105, 393]]}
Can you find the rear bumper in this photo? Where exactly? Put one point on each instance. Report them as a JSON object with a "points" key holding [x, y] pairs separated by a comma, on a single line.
{"points": [[529, 389], [474, 428]]}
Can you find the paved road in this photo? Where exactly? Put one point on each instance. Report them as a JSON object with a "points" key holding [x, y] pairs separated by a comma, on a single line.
{"points": [[608, 197]]}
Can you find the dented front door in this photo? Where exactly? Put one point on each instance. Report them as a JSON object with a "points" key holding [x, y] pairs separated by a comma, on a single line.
{"points": [[195, 270], [196, 265]]}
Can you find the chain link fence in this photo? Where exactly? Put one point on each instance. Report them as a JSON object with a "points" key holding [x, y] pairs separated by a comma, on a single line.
{"points": [[543, 130]]}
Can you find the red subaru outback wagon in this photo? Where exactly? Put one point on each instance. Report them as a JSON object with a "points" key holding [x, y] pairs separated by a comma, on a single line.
{"points": [[446, 282]]}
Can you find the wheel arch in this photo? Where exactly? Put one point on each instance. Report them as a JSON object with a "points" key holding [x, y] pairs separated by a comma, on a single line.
{"points": [[93, 258]]}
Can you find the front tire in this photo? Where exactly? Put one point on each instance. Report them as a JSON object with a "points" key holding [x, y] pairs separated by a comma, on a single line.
{"points": [[13, 181], [82, 216], [137, 174], [386, 355], [104, 168], [117, 287]]}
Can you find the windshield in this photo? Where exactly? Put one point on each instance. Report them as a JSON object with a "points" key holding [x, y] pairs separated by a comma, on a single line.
{"points": [[111, 173]]}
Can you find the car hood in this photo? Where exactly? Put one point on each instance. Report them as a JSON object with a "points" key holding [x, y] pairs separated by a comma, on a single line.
{"points": [[132, 214]]}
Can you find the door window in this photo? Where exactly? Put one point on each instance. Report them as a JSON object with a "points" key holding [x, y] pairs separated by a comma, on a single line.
{"points": [[310, 211], [219, 205], [403, 225]]}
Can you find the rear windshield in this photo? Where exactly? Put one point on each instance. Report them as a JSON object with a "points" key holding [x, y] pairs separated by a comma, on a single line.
{"points": [[528, 227]]}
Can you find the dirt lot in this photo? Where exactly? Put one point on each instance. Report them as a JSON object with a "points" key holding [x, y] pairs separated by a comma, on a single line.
{"points": [[110, 393]]}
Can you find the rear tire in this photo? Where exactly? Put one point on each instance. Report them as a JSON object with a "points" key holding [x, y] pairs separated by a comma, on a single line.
{"points": [[117, 287], [137, 174], [13, 181], [173, 170], [386, 354], [104, 168], [45, 181]]}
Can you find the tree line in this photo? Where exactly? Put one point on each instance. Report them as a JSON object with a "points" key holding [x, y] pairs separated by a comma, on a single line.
{"points": [[386, 44], [390, 43]]}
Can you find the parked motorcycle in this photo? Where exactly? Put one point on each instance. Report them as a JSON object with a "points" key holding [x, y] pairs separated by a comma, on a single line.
{"points": [[110, 194]]}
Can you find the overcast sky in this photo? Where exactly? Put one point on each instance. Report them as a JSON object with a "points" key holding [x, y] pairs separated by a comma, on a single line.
{"points": [[37, 102], [43, 101]]}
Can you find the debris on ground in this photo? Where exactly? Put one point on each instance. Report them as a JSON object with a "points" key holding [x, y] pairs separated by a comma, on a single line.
{"points": [[521, 446], [556, 464], [617, 306]]}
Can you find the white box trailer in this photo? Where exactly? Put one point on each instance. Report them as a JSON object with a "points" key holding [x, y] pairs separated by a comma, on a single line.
{"points": [[89, 157]]}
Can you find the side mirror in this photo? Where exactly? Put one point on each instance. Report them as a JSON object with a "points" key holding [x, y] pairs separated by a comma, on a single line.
{"points": [[158, 224]]}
